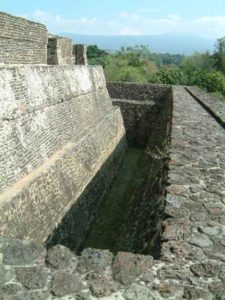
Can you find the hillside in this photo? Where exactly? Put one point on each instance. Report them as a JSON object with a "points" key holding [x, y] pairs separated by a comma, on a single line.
{"points": [[157, 43]]}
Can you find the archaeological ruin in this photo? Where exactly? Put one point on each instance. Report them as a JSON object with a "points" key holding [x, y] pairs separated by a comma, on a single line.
{"points": [[109, 190]]}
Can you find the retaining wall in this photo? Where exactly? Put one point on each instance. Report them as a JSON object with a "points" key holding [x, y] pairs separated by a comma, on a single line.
{"points": [[141, 106], [137, 91], [58, 128], [214, 104], [147, 120]]}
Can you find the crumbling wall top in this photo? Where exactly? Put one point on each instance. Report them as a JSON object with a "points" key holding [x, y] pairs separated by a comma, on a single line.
{"points": [[22, 41]]}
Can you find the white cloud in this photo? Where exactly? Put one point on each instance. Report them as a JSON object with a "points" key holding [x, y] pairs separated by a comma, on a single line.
{"points": [[134, 24], [130, 16], [56, 23]]}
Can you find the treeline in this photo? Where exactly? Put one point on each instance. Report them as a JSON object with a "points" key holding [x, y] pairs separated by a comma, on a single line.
{"points": [[139, 64]]}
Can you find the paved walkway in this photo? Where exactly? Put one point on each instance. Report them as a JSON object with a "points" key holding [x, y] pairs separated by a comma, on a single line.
{"points": [[195, 229]]}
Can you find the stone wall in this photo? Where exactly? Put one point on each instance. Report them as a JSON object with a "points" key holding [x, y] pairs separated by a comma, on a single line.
{"points": [[81, 54], [192, 261], [137, 91], [147, 126], [59, 51], [141, 105], [22, 41], [211, 102], [58, 128], [147, 120]]}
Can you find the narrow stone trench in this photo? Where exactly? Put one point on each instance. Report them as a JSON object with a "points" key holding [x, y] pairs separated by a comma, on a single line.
{"points": [[105, 232], [130, 218], [132, 210], [126, 215]]}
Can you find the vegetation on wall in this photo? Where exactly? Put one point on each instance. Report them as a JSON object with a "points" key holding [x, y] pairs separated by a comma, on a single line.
{"points": [[139, 64]]}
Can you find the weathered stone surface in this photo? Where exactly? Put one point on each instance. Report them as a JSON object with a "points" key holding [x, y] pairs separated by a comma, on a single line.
{"points": [[33, 278], [81, 54], [169, 290], [218, 290], [192, 293], [21, 253], [6, 274], [94, 260], [211, 231], [61, 147], [206, 269], [30, 295], [65, 283], [138, 292], [179, 250], [200, 240], [211, 102], [101, 286], [10, 289], [59, 51], [128, 266], [174, 272], [22, 41], [137, 91], [222, 272], [60, 257]]}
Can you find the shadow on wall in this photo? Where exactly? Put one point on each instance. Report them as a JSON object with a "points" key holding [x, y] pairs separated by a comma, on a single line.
{"points": [[76, 223], [126, 214], [131, 216]]}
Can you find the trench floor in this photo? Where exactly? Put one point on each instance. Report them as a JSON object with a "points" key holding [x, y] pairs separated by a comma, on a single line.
{"points": [[106, 230]]}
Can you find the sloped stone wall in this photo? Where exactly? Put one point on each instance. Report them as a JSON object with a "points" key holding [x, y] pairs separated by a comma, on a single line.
{"points": [[22, 41], [58, 127]]}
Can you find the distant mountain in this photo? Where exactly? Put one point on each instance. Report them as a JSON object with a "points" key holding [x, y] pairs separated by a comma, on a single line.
{"points": [[157, 43]]}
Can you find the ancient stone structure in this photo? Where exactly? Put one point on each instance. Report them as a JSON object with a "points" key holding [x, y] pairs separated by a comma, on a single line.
{"points": [[148, 126], [81, 54], [156, 214], [22, 41], [64, 128], [27, 42], [59, 51]]}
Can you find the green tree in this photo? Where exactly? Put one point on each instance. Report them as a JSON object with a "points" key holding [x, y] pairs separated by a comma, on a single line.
{"points": [[168, 75], [219, 54], [118, 69], [212, 82], [96, 56], [197, 61], [130, 64]]}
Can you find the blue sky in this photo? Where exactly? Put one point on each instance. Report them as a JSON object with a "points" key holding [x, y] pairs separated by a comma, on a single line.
{"points": [[120, 17]]}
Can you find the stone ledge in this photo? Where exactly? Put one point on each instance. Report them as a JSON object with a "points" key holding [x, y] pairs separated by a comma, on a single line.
{"points": [[211, 103], [38, 87]]}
